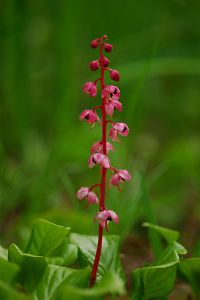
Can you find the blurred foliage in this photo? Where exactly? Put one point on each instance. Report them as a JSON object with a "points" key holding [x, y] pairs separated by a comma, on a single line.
{"points": [[43, 147]]}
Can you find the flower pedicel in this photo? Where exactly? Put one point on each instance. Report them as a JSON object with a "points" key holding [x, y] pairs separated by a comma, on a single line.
{"points": [[110, 100]]}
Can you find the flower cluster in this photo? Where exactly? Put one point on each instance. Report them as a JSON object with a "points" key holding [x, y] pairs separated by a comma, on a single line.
{"points": [[110, 95], [110, 101]]}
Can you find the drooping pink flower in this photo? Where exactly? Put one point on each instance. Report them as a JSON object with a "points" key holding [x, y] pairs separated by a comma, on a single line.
{"points": [[98, 147], [90, 116], [111, 92], [120, 176], [94, 65], [108, 47], [85, 193], [118, 128], [114, 75], [100, 159], [90, 88], [111, 105], [106, 215]]}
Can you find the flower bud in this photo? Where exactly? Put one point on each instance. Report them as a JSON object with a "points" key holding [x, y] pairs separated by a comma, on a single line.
{"points": [[94, 43], [114, 75], [105, 61], [108, 47], [94, 65]]}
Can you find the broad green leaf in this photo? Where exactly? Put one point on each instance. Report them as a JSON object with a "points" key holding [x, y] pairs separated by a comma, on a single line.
{"points": [[155, 281], [8, 293], [3, 253], [191, 270], [110, 284], [8, 271], [31, 267], [66, 254], [54, 276], [46, 237], [109, 261], [168, 234]]}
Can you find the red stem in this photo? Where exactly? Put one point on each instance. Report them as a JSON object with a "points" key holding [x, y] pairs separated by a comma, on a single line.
{"points": [[103, 174]]}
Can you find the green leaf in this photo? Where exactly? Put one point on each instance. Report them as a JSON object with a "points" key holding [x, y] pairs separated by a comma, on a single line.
{"points": [[8, 271], [109, 261], [8, 293], [168, 234], [66, 254], [46, 237], [54, 276], [3, 253], [110, 284], [190, 268], [31, 267], [158, 280]]}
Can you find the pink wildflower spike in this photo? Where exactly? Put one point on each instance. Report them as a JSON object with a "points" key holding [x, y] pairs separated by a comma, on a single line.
{"points": [[85, 193], [120, 176], [98, 147], [106, 215], [100, 159], [94, 65], [90, 89], [114, 75], [90, 116], [118, 128], [111, 92]]}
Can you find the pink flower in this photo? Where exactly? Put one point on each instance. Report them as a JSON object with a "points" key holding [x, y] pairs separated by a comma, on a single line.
{"points": [[90, 116], [98, 147], [90, 89], [94, 43], [94, 65], [120, 176], [114, 75], [112, 95], [100, 159], [118, 128], [111, 92], [105, 61], [85, 193], [109, 108], [108, 47], [106, 215]]}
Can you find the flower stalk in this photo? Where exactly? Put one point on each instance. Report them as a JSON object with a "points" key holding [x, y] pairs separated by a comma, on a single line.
{"points": [[110, 95]]}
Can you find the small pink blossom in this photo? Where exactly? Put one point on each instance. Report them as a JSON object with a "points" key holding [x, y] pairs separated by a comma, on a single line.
{"points": [[111, 92], [94, 65], [90, 116], [105, 61], [106, 215], [110, 107], [120, 176], [90, 89], [108, 47], [114, 75], [118, 128], [94, 43], [100, 159], [98, 147], [85, 193]]}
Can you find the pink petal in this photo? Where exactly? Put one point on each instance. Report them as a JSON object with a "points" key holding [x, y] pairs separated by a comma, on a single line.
{"points": [[92, 198], [114, 216], [114, 180], [82, 193], [125, 175]]}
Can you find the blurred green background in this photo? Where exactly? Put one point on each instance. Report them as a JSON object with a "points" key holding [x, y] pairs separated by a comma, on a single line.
{"points": [[44, 57]]}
